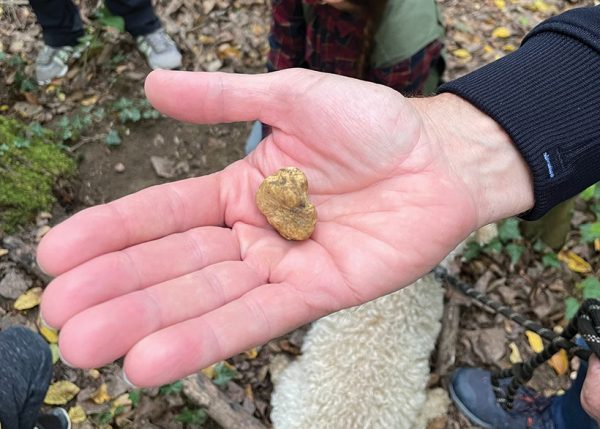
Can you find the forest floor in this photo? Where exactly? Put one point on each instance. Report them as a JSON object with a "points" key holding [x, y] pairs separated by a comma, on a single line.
{"points": [[121, 145]]}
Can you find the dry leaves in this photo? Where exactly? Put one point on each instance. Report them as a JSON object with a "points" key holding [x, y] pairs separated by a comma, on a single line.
{"points": [[575, 262], [61, 392], [29, 299]]}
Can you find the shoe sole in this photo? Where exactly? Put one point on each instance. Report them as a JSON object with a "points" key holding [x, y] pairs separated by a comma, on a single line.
{"points": [[464, 410]]}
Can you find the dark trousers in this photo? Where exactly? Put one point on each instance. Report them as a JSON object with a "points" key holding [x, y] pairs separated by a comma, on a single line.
{"points": [[61, 23], [25, 373]]}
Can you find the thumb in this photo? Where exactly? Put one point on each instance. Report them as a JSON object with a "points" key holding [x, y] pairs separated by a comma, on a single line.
{"points": [[201, 97], [590, 393]]}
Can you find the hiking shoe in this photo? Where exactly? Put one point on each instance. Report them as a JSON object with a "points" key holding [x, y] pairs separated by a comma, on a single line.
{"points": [[53, 62], [472, 392], [160, 50], [56, 419]]}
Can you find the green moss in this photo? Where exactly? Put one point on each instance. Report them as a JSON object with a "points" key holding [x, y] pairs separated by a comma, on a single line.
{"points": [[30, 164]]}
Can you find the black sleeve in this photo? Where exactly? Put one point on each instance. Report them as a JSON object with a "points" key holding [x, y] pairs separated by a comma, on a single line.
{"points": [[546, 95]]}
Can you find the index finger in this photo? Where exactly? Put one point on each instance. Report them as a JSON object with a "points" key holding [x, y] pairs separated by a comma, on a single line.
{"points": [[146, 215]]}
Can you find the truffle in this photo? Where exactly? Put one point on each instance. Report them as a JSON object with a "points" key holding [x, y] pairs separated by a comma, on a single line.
{"points": [[283, 199]]}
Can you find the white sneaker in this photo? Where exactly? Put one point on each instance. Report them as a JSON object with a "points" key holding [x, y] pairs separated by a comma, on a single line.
{"points": [[160, 50]]}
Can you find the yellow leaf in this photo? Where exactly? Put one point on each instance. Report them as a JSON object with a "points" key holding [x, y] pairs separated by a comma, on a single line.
{"points": [[122, 401], [206, 40], [77, 414], [29, 299], [509, 48], [209, 372], [488, 49], [51, 335], [463, 54], [535, 341], [597, 244], [559, 362], [574, 262], [90, 100], [515, 355], [100, 396], [60, 393], [500, 4], [501, 33], [61, 96], [540, 6], [3, 252], [252, 353], [4, 108]]}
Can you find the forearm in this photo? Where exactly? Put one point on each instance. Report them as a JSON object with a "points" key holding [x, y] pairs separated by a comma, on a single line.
{"points": [[546, 96]]}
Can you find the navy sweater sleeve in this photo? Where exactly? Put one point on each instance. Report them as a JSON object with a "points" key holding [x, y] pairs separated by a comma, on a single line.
{"points": [[546, 95]]}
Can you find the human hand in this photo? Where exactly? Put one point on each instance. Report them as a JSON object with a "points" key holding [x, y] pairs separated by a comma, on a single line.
{"points": [[185, 274]]}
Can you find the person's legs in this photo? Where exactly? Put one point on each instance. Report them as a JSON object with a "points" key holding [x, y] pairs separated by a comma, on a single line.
{"points": [[25, 373], [60, 21], [139, 15]]}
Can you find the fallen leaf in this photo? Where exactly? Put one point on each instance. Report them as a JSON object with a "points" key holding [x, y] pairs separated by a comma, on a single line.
{"points": [[252, 353], [55, 353], [90, 101], [61, 392], [3, 252], [559, 362], [461, 53], [77, 414], [209, 372], [535, 341], [29, 299], [501, 33], [509, 48], [574, 262], [51, 335], [515, 355], [597, 244], [500, 4], [249, 392], [100, 396]]}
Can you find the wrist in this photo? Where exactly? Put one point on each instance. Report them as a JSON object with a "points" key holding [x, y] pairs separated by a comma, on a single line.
{"points": [[480, 154]]}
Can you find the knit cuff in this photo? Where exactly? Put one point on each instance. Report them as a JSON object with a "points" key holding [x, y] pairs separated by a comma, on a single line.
{"points": [[546, 96]]}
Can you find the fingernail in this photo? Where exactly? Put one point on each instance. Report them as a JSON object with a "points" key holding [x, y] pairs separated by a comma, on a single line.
{"points": [[129, 383], [44, 323], [63, 360]]}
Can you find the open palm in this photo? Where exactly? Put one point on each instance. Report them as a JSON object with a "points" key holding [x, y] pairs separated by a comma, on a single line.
{"points": [[181, 275]]}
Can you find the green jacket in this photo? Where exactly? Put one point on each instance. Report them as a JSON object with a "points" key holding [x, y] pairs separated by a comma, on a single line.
{"points": [[406, 28]]}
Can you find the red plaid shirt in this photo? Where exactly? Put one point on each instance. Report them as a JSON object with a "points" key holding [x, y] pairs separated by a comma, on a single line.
{"points": [[332, 42]]}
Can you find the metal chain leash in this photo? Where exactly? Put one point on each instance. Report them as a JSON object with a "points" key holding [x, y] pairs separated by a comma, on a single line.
{"points": [[586, 322]]}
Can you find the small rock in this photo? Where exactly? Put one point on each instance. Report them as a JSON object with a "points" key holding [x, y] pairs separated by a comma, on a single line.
{"points": [[182, 167], [159, 140], [27, 110], [119, 167], [283, 199], [163, 167], [214, 65], [13, 284]]}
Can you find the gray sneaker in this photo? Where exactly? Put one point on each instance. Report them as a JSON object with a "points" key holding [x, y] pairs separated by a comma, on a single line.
{"points": [[54, 62], [160, 50]]}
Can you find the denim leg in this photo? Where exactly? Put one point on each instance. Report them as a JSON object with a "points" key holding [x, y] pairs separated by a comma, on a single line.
{"points": [[567, 411], [25, 373], [60, 21], [139, 15]]}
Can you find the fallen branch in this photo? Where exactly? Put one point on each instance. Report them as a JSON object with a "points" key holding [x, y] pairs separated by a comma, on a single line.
{"points": [[201, 391], [446, 348]]}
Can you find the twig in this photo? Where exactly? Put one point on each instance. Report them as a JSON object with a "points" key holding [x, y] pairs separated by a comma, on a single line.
{"points": [[201, 391], [14, 2], [446, 350], [84, 140]]}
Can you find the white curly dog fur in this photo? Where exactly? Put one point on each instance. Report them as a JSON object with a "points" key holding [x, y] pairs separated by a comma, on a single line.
{"points": [[367, 367]]}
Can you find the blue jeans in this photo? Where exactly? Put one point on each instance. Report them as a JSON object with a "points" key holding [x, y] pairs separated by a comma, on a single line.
{"points": [[567, 411], [25, 373]]}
